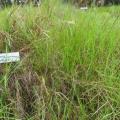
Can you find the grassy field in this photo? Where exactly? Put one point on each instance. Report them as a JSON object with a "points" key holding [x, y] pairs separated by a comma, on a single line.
{"points": [[70, 63]]}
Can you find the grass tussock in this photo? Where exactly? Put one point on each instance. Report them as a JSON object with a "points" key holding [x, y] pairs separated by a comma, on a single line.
{"points": [[69, 66]]}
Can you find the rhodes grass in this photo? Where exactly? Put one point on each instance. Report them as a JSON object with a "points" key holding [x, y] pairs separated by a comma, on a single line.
{"points": [[70, 63]]}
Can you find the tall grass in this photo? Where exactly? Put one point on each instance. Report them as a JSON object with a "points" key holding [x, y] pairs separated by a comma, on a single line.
{"points": [[69, 66]]}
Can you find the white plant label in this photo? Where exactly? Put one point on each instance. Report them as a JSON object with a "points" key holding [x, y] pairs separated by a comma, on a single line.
{"points": [[84, 8], [9, 57]]}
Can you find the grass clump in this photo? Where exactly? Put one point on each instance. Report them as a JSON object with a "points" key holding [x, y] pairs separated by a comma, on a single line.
{"points": [[69, 66]]}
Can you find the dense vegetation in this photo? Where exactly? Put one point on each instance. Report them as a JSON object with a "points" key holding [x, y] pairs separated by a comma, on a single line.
{"points": [[94, 2], [70, 65]]}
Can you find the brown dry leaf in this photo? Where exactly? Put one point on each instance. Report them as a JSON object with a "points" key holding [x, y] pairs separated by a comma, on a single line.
{"points": [[2, 39]]}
